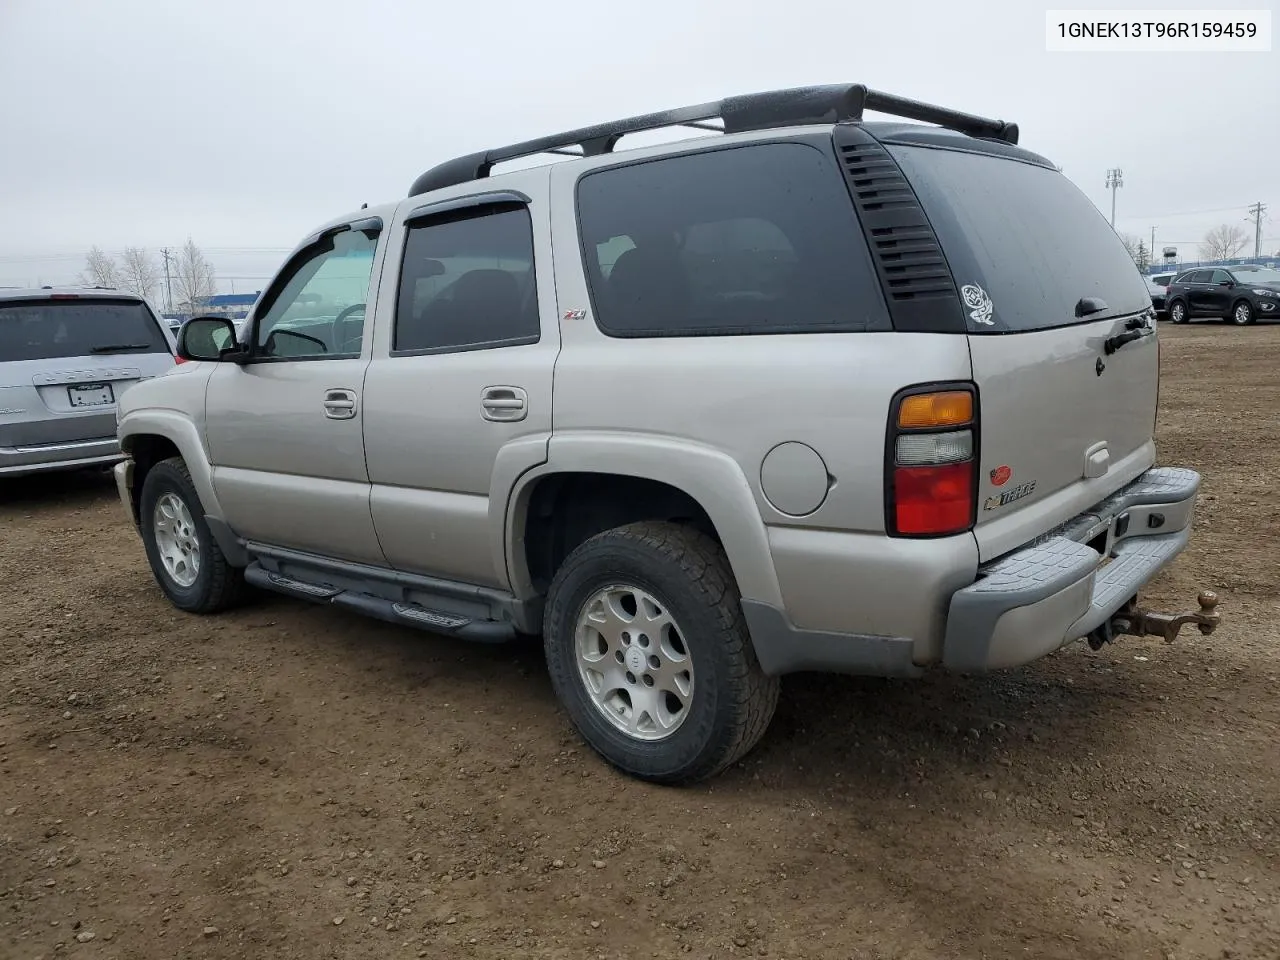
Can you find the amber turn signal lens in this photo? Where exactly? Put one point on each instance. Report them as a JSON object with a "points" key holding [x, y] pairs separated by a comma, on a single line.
{"points": [[951, 408]]}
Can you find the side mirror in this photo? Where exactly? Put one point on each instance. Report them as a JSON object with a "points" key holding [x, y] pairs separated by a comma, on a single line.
{"points": [[1226, 283], [207, 338]]}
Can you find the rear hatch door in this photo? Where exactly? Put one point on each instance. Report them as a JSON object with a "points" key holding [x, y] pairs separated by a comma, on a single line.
{"points": [[1061, 336]]}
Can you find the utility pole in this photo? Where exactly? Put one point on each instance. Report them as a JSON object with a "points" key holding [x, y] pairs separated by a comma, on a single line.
{"points": [[1114, 181], [1153, 244], [168, 283], [1257, 210]]}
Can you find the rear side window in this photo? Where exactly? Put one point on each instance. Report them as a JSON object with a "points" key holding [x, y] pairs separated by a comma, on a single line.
{"points": [[759, 239], [58, 329], [467, 282], [1024, 244]]}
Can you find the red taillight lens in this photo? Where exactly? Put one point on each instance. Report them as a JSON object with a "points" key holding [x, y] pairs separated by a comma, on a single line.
{"points": [[933, 500], [932, 455], [178, 359]]}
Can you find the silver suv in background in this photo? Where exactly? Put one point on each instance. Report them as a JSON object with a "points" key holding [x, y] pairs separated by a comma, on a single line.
{"points": [[67, 355], [810, 393]]}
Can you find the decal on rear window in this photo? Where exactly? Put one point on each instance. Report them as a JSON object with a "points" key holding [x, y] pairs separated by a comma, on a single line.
{"points": [[979, 304]]}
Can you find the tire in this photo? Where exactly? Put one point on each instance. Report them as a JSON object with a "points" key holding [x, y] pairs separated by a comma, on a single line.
{"points": [[685, 578], [1178, 312], [214, 583], [1242, 313]]}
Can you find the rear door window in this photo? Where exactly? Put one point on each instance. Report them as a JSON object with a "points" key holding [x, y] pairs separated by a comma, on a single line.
{"points": [[759, 239], [1023, 243], [80, 327], [467, 282]]}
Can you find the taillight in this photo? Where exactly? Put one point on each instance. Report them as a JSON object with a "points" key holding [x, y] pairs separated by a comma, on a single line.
{"points": [[931, 476], [178, 359]]}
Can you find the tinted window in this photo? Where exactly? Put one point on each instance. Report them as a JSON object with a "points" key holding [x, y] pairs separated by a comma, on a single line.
{"points": [[748, 240], [467, 282], [49, 329], [317, 308], [1024, 235], [1220, 276], [1198, 276]]}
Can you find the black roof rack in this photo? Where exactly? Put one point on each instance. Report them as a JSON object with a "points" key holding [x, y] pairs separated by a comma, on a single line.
{"points": [[758, 111]]}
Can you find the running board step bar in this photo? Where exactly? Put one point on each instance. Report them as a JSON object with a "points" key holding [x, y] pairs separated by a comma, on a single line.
{"points": [[392, 611]]}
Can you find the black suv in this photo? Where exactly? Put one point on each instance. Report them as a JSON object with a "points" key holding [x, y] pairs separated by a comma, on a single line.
{"points": [[1239, 294]]}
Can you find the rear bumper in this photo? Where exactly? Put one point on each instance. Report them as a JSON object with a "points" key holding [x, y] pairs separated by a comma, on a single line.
{"points": [[1058, 589], [21, 460]]}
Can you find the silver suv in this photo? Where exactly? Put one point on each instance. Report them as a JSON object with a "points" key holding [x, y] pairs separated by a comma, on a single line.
{"points": [[807, 393], [66, 357]]}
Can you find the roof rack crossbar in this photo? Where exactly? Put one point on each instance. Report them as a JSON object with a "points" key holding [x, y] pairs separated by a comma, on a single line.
{"points": [[834, 103]]}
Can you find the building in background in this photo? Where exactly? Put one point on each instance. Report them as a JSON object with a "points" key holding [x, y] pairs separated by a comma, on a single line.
{"points": [[234, 306], [1175, 265]]}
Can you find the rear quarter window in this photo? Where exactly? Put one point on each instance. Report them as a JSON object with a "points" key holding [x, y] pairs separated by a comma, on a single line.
{"points": [[758, 239], [58, 329]]}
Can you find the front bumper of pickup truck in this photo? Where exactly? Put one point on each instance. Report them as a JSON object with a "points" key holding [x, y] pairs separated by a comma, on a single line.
{"points": [[1080, 580]]}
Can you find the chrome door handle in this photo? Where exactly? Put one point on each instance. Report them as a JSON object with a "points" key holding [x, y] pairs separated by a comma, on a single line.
{"points": [[340, 404], [504, 404]]}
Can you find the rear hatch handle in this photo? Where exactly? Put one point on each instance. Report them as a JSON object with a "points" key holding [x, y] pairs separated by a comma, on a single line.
{"points": [[1135, 329]]}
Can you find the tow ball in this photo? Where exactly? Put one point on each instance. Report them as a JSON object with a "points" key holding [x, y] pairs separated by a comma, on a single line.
{"points": [[1133, 620]]}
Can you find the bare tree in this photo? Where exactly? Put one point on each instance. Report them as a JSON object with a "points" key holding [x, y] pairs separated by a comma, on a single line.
{"points": [[1222, 243], [139, 272], [100, 269], [1142, 256], [1130, 243], [194, 281]]}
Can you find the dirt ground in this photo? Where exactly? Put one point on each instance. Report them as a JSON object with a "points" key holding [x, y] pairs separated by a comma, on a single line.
{"points": [[292, 781]]}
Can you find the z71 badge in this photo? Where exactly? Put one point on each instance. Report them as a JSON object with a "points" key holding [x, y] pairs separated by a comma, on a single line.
{"points": [[1006, 498]]}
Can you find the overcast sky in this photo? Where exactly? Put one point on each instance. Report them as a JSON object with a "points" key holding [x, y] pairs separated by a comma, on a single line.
{"points": [[244, 124]]}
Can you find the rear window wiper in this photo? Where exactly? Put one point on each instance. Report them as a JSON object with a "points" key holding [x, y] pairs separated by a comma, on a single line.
{"points": [[120, 348], [1088, 306]]}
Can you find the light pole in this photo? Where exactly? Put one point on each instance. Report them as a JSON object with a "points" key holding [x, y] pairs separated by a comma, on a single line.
{"points": [[1256, 212], [1114, 181]]}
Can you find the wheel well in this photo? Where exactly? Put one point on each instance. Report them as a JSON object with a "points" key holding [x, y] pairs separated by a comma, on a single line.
{"points": [[147, 450], [566, 509]]}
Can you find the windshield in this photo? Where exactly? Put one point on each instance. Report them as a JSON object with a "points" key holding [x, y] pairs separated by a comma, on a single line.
{"points": [[1256, 274], [54, 329], [1024, 244]]}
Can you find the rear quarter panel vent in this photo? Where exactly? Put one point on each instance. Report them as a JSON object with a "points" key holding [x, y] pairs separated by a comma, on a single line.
{"points": [[913, 271]]}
